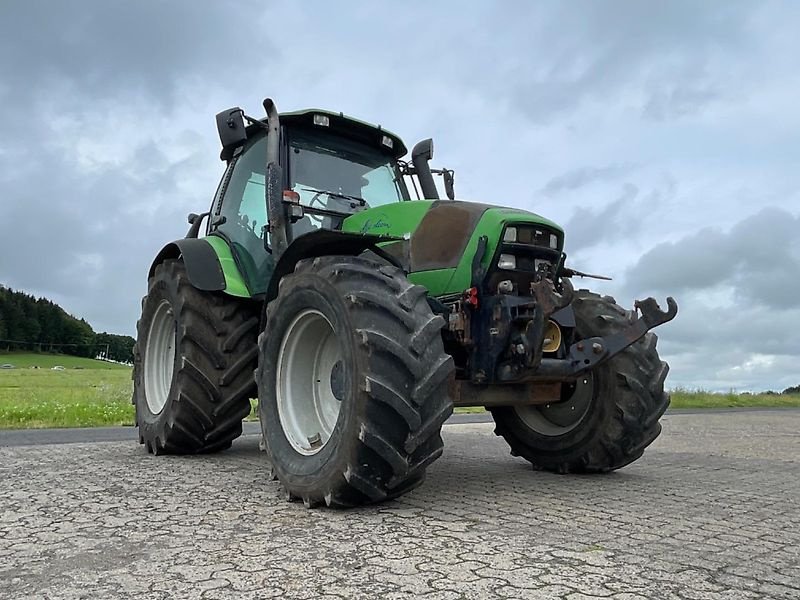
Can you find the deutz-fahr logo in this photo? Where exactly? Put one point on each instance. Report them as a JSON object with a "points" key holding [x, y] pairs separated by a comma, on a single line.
{"points": [[378, 222]]}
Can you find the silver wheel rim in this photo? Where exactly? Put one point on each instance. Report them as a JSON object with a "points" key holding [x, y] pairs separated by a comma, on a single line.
{"points": [[559, 418], [310, 382], [159, 358]]}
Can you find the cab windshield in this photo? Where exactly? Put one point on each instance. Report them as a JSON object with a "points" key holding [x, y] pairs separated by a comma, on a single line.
{"points": [[335, 174]]}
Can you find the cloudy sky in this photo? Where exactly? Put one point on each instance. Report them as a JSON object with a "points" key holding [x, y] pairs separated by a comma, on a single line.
{"points": [[665, 137]]}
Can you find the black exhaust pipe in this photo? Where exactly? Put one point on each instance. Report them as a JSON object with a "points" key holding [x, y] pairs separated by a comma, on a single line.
{"points": [[420, 156], [273, 187]]}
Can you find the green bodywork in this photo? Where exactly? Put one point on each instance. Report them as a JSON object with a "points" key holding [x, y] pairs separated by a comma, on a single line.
{"points": [[491, 225], [400, 220], [234, 282]]}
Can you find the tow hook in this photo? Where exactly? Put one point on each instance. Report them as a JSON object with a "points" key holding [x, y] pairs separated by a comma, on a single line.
{"points": [[585, 354]]}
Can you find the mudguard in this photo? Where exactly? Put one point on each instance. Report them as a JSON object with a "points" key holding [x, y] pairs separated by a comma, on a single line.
{"points": [[325, 242], [202, 264]]}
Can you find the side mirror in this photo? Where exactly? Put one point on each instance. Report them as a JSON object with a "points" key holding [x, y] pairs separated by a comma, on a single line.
{"points": [[230, 126], [449, 180]]}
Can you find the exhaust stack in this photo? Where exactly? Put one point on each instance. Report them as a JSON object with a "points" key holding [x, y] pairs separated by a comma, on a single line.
{"points": [[420, 156]]}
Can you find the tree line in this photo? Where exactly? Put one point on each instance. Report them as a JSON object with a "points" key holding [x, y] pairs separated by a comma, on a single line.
{"points": [[41, 325]]}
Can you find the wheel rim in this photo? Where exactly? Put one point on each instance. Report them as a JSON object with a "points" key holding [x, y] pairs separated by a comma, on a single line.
{"points": [[562, 417], [310, 384], [159, 358]]}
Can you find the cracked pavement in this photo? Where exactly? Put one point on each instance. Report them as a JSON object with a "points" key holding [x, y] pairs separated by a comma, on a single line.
{"points": [[710, 512]]}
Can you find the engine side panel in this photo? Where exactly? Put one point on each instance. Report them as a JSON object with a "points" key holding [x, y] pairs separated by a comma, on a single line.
{"points": [[440, 238]]}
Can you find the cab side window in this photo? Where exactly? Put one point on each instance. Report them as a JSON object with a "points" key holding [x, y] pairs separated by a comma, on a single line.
{"points": [[244, 207]]}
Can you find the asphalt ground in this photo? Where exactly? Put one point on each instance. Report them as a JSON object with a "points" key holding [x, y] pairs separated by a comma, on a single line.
{"points": [[712, 510], [34, 437]]}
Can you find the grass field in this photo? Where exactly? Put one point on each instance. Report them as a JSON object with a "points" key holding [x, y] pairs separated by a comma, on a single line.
{"points": [[31, 398], [701, 399], [25, 360], [90, 393]]}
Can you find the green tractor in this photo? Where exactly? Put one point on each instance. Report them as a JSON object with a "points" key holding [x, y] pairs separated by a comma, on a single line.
{"points": [[360, 317]]}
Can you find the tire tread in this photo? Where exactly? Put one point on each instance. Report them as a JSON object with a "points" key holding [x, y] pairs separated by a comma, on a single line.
{"points": [[393, 326], [637, 401], [218, 354]]}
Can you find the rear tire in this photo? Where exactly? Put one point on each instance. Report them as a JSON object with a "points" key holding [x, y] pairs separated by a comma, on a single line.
{"points": [[613, 412], [352, 382], [193, 365]]}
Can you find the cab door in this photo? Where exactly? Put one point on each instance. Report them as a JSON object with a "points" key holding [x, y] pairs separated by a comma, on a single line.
{"points": [[240, 215]]}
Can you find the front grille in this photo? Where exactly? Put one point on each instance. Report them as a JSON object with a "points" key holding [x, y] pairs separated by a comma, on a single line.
{"points": [[533, 264], [536, 236], [535, 248]]}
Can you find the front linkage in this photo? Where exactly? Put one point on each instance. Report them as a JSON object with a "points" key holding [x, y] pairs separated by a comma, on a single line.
{"points": [[505, 334]]}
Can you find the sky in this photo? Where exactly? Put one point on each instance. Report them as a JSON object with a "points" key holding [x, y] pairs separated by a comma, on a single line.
{"points": [[664, 137]]}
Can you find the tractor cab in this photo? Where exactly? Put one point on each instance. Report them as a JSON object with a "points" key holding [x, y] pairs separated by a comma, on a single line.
{"points": [[327, 167], [335, 166]]}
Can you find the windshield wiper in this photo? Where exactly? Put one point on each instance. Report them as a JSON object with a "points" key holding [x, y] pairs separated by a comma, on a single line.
{"points": [[337, 195]]}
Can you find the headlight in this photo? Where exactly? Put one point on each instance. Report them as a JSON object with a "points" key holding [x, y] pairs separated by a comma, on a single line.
{"points": [[507, 261], [510, 235]]}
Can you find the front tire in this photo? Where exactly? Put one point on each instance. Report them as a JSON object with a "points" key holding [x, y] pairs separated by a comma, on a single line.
{"points": [[610, 415], [352, 382], [193, 365]]}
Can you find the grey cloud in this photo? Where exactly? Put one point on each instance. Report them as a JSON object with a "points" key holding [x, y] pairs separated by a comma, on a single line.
{"points": [[626, 46], [85, 237], [737, 368], [583, 176], [619, 222], [591, 226], [759, 258], [739, 297], [86, 240], [670, 101], [109, 48], [738, 346], [705, 328]]}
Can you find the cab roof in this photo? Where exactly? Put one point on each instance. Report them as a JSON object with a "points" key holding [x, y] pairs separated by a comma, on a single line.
{"points": [[346, 125]]}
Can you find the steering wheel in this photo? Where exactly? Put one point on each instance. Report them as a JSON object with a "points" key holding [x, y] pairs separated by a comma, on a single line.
{"points": [[314, 217]]}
